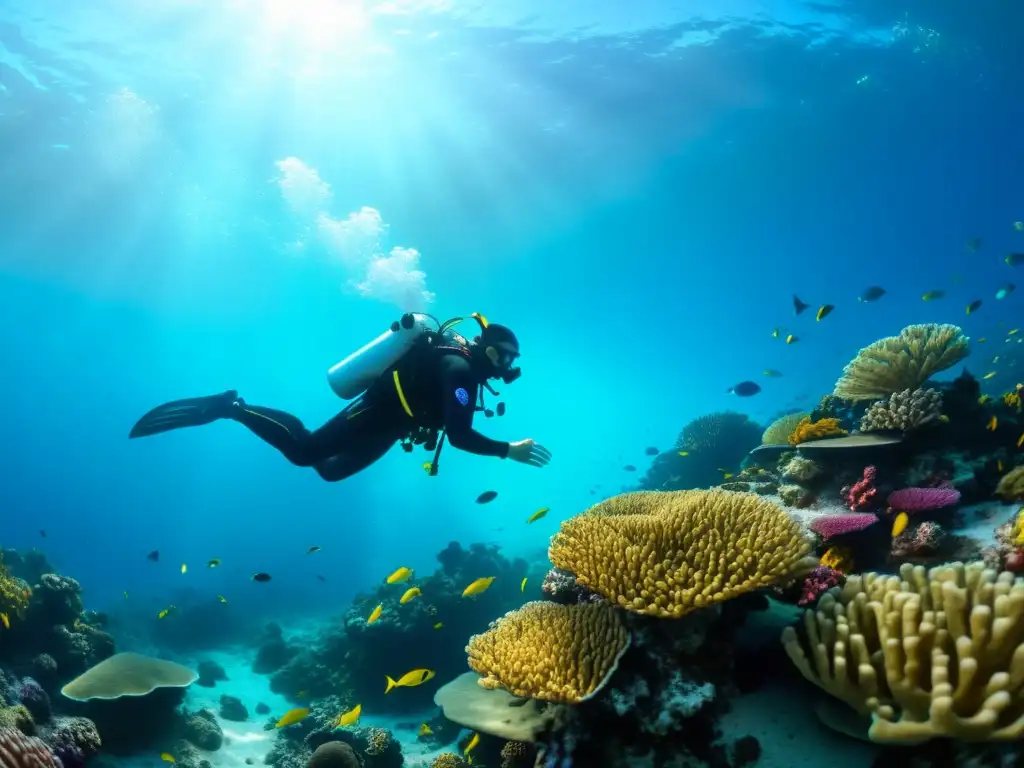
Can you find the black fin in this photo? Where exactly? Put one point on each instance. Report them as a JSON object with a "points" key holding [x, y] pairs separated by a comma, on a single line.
{"points": [[190, 412], [799, 306]]}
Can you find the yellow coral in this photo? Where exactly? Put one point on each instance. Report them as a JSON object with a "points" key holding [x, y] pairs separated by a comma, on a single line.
{"points": [[14, 593], [902, 362], [838, 558], [778, 431], [928, 654], [448, 760], [1011, 485], [667, 553], [562, 653], [808, 430]]}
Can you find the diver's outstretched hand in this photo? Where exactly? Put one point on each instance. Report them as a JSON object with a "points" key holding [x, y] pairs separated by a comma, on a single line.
{"points": [[529, 452]]}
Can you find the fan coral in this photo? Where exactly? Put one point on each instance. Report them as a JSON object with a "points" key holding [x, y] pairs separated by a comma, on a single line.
{"points": [[778, 431], [669, 553], [1011, 485], [928, 654], [922, 539], [20, 751], [831, 526], [902, 362], [550, 652], [862, 495], [818, 582], [905, 410], [920, 499], [801, 469], [817, 430]]}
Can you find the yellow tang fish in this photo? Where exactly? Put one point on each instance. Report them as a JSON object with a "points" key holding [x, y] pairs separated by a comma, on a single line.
{"points": [[989, 375], [376, 614], [6, 620], [472, 744], [410, 594], [292, 716], [222, 599], [438, 625], [522, 586], [899, 525], [410, 679], [1013, 332], [791, 339], [349, 718], [167, 757], [164, 612], [478, 587], [538, 515], [944, 418], [184, 568], [1020, 440], [993, 423], [725, 473], [403, 574], [425, 730]]}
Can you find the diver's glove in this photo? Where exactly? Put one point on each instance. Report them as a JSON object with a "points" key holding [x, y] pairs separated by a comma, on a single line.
{"points": [[529, 452]]}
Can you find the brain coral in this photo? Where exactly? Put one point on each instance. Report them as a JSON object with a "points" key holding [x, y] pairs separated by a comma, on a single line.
{"points": [[778, 431], [20, 751], [669, 553], [562, 653]]}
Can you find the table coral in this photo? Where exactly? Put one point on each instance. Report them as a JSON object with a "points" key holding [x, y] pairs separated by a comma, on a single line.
{"points": [[669, 553], [931, 653], [808, 430]]}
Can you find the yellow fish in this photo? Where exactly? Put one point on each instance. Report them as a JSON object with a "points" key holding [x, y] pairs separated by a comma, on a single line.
{"points": [[292, 716], [777, 332], [349, 718], [376, 614], [993, 423], [410, 594], [899, 525], [522, 586], [472, 744], [167, 757], [164, 612], [425, 730], [184, 568], [932, 295], [222, 598], [944, 418], [989, 375], [478, 587], [213, 563], [438, 625], [999, 465], [1013, 332], [410, 679], [1020, 440], [427, 466], [6, 620], [984, 399], [537, 515], [725, 473], [684, 453], [403, 574], [791, 339]]}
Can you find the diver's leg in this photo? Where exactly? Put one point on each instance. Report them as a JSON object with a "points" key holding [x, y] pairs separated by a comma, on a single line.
{"points": [[368, 450]]}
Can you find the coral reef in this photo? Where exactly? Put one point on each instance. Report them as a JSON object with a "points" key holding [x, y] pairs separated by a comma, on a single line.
{"points": [[862, 495], [922, 499], [831, 526], [904, 411], [202, 730], [778, 431], [74, 740], [706, 447], [232, 708], [34, 699], [796, 496], [901, 362], [818, 582], [669, 553], [273, 652], [60, 598], [821, 429], [1011, 485], [918, 541], [20, 751], [931, 653], [448, 760], [210, 673], [801, 470]]}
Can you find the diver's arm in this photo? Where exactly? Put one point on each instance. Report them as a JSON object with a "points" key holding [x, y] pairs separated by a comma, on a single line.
{"points": [[460, 390]]}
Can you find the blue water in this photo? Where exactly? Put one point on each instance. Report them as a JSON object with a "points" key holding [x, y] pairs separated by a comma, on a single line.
{"points": [[638, 193]]}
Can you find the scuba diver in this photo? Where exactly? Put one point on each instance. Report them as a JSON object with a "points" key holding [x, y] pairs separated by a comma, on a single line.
{"points": [[413, 384]]}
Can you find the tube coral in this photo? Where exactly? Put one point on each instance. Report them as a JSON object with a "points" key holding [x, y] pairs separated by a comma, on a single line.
{"points": [[902, 362], [921, 499]]}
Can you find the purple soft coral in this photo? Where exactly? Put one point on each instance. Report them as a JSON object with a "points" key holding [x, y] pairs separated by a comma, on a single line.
{"points": [[836, 525], [919, 499], [818, 582]]}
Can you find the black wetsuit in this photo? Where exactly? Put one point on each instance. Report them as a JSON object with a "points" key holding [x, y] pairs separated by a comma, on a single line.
{"points": [[441, 388]]}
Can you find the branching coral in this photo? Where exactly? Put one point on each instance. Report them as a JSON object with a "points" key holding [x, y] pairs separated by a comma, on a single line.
{"points": [[669, 553], [928, 654], [905, 410], [815, 430], [902, 362], [1011, 485], [778, 431], [562, 653], [862, 495]]}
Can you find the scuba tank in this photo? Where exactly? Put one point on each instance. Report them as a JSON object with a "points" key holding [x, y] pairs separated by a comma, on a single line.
{"points": [[355, 373]]}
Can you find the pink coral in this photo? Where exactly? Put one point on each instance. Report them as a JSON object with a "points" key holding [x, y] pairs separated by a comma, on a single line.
{"points": [[862, 495], [818, 582], [20, 751], [922, 539], [919, 499], [836, 525]]}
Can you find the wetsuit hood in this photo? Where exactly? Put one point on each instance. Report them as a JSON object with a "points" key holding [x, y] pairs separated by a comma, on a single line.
{"points": [[504, 342]]}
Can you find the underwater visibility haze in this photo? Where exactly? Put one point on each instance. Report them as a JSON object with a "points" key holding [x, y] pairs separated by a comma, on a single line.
{"points": [[757, 259]]}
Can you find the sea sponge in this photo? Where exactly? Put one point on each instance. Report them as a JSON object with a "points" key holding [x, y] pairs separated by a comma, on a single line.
{"points": [[1011, 485], [905, 410], [128, 674], [552, 652], [815, 430], [902, 362], [669, 553], [778, 431], [20, 751], [931, 653], [801, 469]]}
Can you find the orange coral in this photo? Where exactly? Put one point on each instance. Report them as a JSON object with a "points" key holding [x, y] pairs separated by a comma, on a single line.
{"points": [[808, 430]]}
